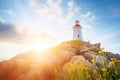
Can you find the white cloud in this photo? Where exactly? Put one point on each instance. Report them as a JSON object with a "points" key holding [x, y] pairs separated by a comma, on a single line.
{"points": [[89, 16], [72, 9], [2, 20], [41, 10], [71, 5], [32, 3], [9, 11], [49, 7], [52, 10], [56, 15], [55, 18], [93, 17], [51, 2]]}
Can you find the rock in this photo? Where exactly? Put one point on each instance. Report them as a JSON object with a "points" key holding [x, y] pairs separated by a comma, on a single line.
{"points": [[97, 45], [75, 58], [88, 56], [32, 65], [100, 59], [90, 47], [97, 57], [110, 55], [77, 44]]}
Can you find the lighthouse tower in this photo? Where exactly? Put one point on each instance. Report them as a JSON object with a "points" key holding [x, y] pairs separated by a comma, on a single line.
{"points": [[77, 33]]}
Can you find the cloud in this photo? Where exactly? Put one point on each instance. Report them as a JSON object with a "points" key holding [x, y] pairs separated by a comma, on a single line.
{"points": [[89, 16], [9, 11], [32, 3], [73, 9], [14, 34], [8, 32], [71, 5], [56, 16], [53, 10], [2, 20], [93, 17]]}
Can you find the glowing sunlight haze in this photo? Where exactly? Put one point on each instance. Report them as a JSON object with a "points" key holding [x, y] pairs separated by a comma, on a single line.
{"points": [[39, 45]]}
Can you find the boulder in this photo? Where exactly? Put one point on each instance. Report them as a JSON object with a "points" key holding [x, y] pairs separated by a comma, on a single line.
{"points": [[75, 58]]}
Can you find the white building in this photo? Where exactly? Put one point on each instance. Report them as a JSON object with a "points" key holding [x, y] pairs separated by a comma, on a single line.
{"points": [[77, 33]]}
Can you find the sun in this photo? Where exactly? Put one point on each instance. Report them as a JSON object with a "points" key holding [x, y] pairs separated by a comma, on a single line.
{"points": [[39, 45]]}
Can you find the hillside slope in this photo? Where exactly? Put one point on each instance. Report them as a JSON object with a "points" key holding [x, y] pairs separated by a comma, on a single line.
{"points": [[34, 65]]}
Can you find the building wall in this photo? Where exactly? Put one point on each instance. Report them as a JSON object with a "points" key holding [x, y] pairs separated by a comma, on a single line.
{"points": [[77, 33]]}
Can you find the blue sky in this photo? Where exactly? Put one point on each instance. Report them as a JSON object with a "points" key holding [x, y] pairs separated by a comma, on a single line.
{"points": [[23, 22]]}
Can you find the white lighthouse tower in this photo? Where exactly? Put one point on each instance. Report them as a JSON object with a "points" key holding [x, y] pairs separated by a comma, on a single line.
{"points": [[77, 33]]}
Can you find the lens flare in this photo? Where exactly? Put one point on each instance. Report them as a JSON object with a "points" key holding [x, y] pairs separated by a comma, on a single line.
{"points": [[40, 45]]}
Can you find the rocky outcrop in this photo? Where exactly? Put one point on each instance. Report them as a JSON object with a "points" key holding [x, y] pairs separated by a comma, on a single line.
{"points": [[75, 58], [110, 55], [91, 51], [33, 65]]}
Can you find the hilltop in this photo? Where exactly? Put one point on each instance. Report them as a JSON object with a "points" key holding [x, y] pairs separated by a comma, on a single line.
{"points": [[34, 65]]}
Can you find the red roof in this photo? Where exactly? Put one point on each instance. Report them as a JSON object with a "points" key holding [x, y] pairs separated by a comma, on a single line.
{"points": [[77, 25]]}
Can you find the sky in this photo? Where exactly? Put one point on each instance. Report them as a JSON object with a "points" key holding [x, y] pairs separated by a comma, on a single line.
{"points": [[23, 22]]}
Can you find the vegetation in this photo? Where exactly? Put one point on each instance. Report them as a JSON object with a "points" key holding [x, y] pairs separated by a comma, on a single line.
{"points": [[80, 71], [75, 44], [54, 64]]}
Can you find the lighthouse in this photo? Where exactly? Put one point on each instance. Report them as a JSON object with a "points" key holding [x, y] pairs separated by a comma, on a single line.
{"points": [[77, 33]]}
